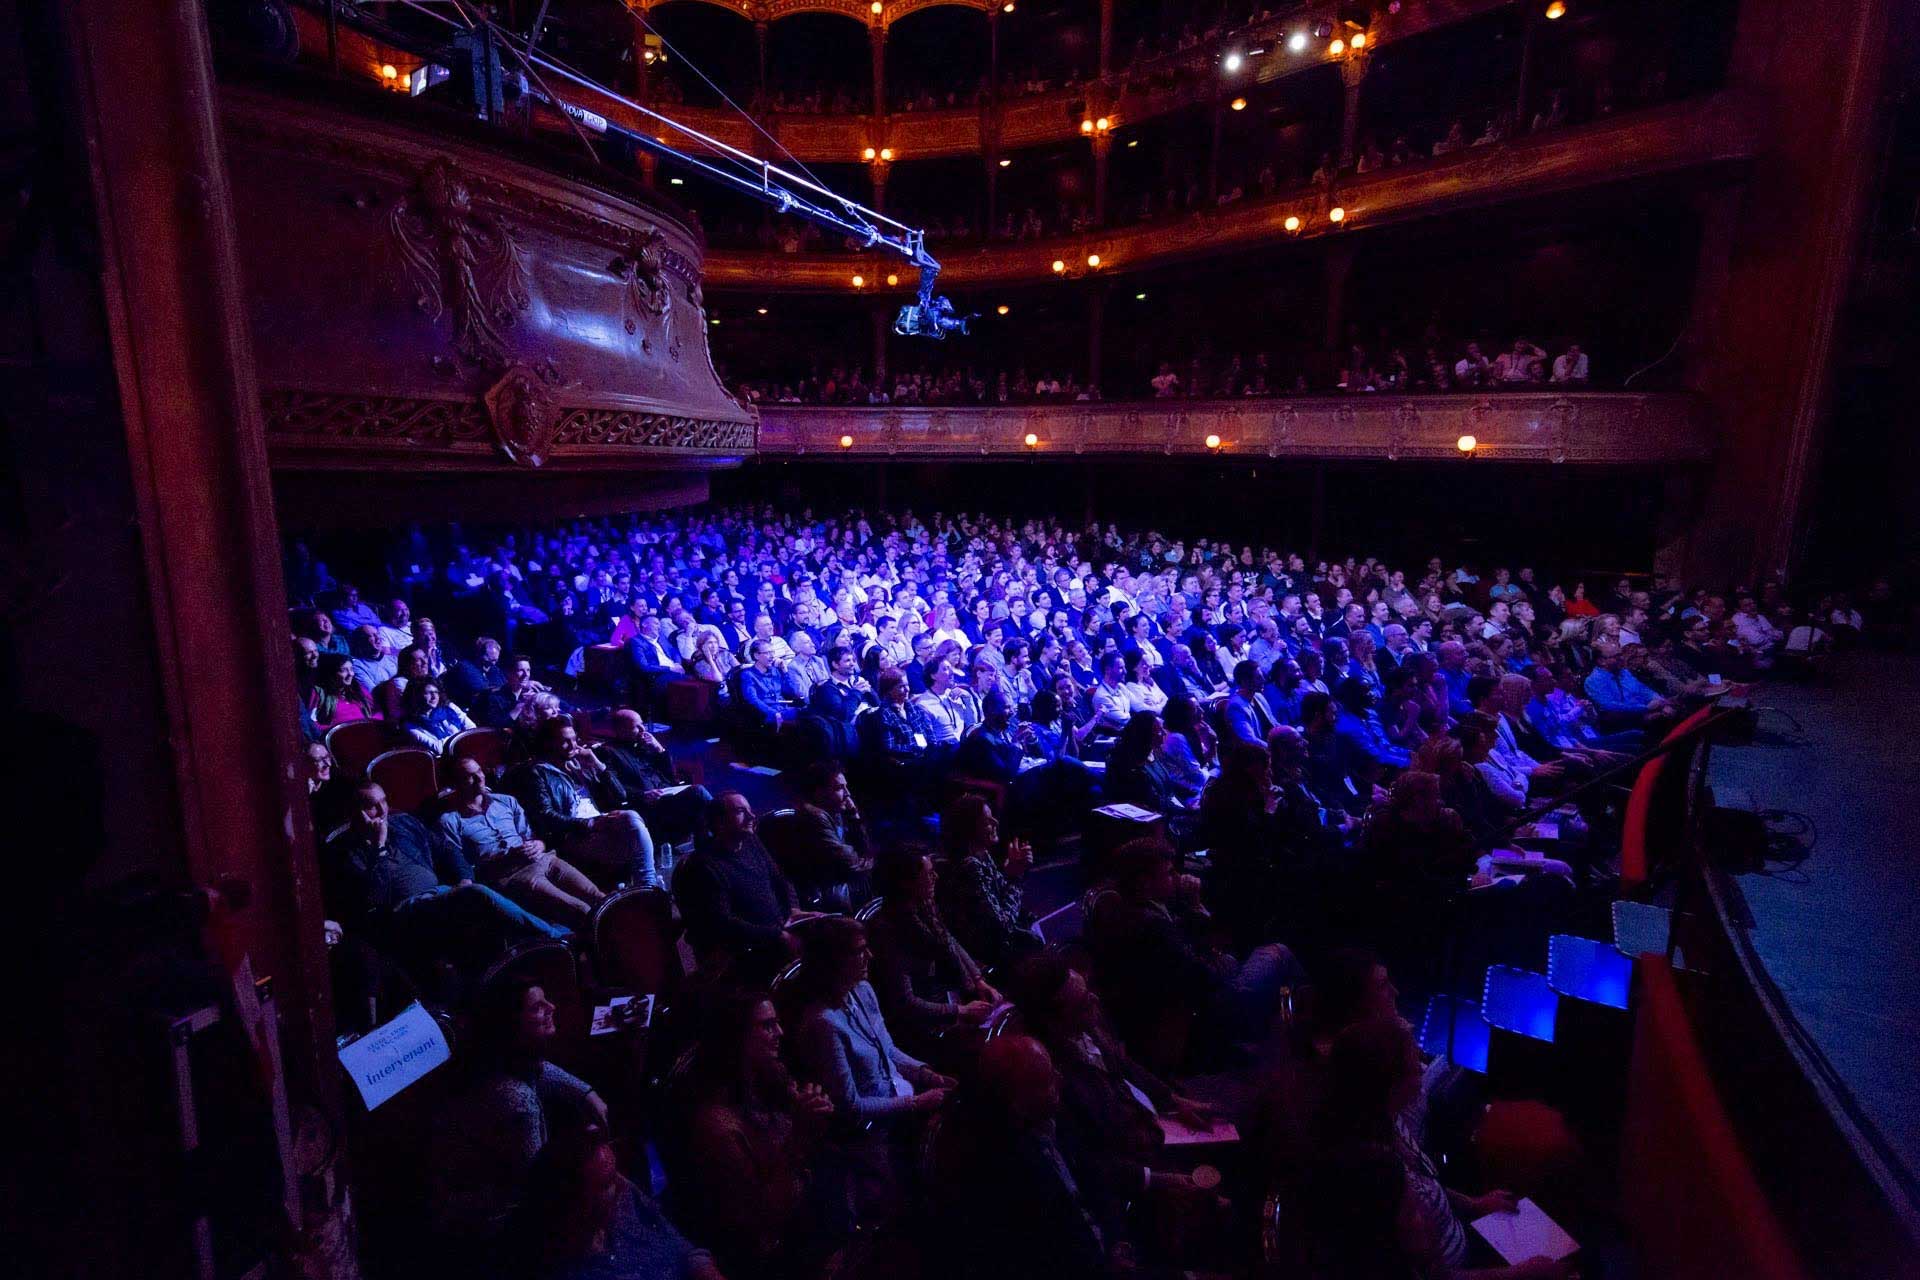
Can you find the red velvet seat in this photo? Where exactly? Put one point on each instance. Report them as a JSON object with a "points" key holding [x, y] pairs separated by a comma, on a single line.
{"points": [[488, 746], [635, 942], [355, 744], [689, 701], [409, 777]]}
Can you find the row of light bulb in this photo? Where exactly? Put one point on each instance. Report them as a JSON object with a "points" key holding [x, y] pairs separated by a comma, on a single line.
{"points": [[1465, 444]]}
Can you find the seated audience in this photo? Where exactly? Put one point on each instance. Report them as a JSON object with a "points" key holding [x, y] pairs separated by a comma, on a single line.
{"points": [[979, 892], [671, 809], [926, 981], [734, 900], [490, 830], [572, 799]]}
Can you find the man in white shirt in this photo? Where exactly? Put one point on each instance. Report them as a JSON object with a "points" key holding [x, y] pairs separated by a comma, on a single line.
{"points": [[1753, 628], [1571, 365]]}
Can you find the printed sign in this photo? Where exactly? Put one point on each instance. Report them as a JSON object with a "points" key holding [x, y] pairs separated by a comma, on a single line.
{"points": [[389, 1058]]}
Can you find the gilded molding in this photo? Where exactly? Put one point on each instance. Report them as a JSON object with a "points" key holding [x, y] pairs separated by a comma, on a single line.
{"points": [[518, 417]]}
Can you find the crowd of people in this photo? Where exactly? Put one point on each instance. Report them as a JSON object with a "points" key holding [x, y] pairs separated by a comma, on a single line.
{"points": [[1441, 366], [880, 1062]]}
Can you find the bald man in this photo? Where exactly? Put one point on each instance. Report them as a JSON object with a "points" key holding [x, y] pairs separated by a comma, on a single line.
{"points": [[644, 767]]}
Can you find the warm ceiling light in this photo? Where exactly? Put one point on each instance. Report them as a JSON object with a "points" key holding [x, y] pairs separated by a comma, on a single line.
{"points": [[886, 153], [1359, 40], [677, 182], [388, 71], [1139, 297], [1093, 259], [1101, 124], [1059, 266], [1086, 126], [875, 6], [1002, 309], [761, 310], [1032, 441], [1466, 444], [1338, 47], [859, 282], [1292, 223], [1297, 42], [892, 279], [1004, 162], [1238, 104], [1007, 7], [868, 154], [1233, 63], [1336, 214], [846, 442], [1213, 442], [1133, 142], [1556, 11]]}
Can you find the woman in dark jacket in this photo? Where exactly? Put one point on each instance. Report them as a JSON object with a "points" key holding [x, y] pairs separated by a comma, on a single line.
{"points": [[927, 983]]}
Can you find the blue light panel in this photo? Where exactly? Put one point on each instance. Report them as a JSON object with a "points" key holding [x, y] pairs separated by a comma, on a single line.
{"points": [[1471, 1034], [1520, 1001], [1588, 970]]}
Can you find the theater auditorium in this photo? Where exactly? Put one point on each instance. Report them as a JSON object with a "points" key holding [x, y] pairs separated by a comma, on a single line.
{"points": [[962, 639]]}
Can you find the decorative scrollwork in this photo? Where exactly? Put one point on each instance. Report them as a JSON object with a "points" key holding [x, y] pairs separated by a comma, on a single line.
{"points": [[642, 273], [650, 430], [311, 414], [524, 415], [461, 261]]}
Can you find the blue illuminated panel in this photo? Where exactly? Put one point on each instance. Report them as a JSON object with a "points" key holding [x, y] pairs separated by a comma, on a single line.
{"points": [[1471, 1033], [1588, 970], [1520, 1001]]}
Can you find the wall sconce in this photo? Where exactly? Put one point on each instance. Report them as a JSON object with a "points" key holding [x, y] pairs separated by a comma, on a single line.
{"points": [[1032, 441], [1467, 444], [1213, 442], [846, 442]]}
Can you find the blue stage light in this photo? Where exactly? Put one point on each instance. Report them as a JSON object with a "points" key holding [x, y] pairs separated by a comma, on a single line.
{"points": [[1520, 1001], [1588, 970], [1471, 1034]]}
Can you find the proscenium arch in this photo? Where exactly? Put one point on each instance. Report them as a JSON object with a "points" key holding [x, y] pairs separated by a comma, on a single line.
{"points": [[861, 11]]}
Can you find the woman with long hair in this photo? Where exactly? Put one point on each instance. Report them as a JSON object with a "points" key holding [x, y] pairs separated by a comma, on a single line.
{"points": [[429, 718], [337, 695], [583, 1220], [926, 981], [979, 893]]}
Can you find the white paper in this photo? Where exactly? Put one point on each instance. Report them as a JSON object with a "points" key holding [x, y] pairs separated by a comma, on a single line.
{"points": [[1131, 812], [605, 1023], [674, 791], [389, 1058], [1179, 1135], [1525, 1233]]}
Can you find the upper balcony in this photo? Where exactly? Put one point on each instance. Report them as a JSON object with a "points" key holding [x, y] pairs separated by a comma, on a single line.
{"points": [[1577, 428], [1693, 135]]}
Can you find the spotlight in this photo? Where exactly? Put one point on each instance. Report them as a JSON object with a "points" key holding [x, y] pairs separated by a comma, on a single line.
{"points": [[1032, 441], [846, 442], [388, 71], [1292, 224], [1101, 124], [1338, 47], [1002, 309], [892, 279], [1556, 11], [1059, 266], [1359, 40], [1213, 442], [1238, 104], [1004, 162], [859, 282], [1233, 63], [761, 310], [868, 154], [1086, 126], [1336, 214], [886, 153], [1297, 42], [1093, 259], [1466, 444]]}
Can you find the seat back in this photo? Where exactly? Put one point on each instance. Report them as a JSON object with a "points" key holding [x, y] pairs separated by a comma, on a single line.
{"points": [[408, 776], [355, 744], [689, 701], [552, 966], [870, 910], [635, 942], [488, 746], [778, 831]]}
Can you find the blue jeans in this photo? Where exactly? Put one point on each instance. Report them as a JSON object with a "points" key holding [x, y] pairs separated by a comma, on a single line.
{"points": [[450, 907]]}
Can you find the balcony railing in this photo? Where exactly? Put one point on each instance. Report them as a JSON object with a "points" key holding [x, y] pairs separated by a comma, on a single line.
{"points": [[1582, 427], [1697, 133]]}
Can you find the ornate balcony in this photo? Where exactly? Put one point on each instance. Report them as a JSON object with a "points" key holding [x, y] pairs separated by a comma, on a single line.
{"points": [[1699, 133], [432, 298], [1577, 428]]}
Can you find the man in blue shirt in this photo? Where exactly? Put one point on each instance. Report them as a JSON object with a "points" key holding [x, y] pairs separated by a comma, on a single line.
{"points": [[1618, 694], [762, 690], [1360, 745]]}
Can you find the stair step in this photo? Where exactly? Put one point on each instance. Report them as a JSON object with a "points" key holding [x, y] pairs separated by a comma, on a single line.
{"points": [[1471, 1035], [1520, 1001], [1582, 969]]}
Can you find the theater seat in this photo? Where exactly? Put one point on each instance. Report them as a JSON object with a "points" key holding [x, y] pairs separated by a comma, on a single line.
{"points": [[635, 942], [409, 777], [355, 744], [488, 746], [994, 793], [552, 966], [689, 701], [606, 667]]}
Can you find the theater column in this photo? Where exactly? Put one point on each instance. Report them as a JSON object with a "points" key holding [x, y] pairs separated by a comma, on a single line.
{"points": [[1102, 165], [1353, 72], [881, 327], [1106, 39], [762, 29], [1764, 357], [643, 72], [990, 123], [1339, 266], [1096, 330], [877, 37]]}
